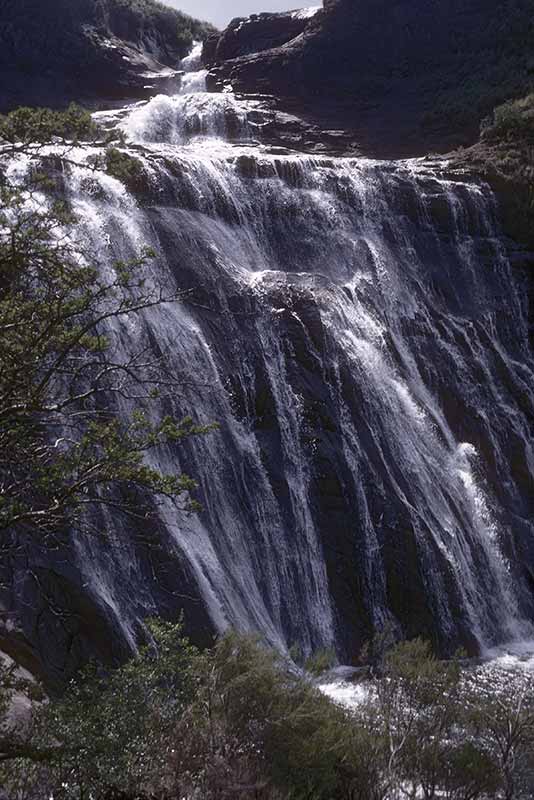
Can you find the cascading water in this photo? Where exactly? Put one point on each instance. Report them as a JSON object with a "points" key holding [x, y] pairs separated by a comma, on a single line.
{"points": [[357, 330]]}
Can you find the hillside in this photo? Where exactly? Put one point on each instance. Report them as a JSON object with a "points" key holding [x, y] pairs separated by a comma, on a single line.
{"points": [[63, 50], [407, 76]]}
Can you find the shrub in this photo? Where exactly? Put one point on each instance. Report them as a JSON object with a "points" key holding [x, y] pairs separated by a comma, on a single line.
{"points": [[511, 120], [235, 722], [124, 167], [321, 661], [270, 729], [112, 732], [26, 126], [164, 19]]}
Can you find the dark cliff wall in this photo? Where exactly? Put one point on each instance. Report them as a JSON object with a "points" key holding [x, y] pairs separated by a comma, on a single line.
{"points": [[253, 34], [408, 75], [62, 50]]}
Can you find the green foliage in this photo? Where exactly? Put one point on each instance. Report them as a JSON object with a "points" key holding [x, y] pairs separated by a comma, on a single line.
{"points": [[505, 157], [499, 67], [317, 663], [116, 730], [164, 19], [63, 32], [416, 696], [113, 730], [498, 707], [236, 722], [63, 448], [30, 126], [270, 730], [176, 723], [14, 731], [296, 654], [190, 30], [320, 662], [511, 120], [124, 167]]}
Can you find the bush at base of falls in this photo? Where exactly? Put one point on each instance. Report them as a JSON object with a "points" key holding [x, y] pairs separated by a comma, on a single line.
{"points": [[236, 722]]}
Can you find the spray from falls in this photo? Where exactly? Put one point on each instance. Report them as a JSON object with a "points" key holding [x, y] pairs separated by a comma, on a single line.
{"points": [[357, 330]]}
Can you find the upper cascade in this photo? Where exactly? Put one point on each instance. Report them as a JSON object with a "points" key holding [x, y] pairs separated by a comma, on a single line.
{"points": [[181, 118], [193, 113], [357, 329]]}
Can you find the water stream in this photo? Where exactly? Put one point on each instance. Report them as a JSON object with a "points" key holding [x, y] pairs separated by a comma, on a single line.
{"points": [[358, 331]]}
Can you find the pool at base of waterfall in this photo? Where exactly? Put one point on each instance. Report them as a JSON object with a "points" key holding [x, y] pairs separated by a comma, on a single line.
{"points": [[503, 665]]}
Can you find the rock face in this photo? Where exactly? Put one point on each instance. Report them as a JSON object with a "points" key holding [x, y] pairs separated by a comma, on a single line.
{"points": [[356, 328], [83, 50], [254, 34], [374, 464], [407, 76], [54, 619]]}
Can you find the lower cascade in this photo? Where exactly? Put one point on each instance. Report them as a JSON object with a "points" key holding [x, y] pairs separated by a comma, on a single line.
{"points": [[359, 333]]}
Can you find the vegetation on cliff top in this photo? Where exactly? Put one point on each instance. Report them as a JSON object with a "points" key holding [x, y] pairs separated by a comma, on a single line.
{"points": [[511, 121], [504, 156], [60, 20], [151, 13]]}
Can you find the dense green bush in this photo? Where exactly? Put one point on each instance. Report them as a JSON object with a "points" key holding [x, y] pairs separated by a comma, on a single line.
{"points": [[511, 120], [320, 661], [236, 722]]}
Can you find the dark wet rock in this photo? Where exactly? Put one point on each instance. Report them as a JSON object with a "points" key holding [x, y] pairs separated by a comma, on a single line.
{"points": [[292, 132], [506, 163], [253, 35], [59, 611]]}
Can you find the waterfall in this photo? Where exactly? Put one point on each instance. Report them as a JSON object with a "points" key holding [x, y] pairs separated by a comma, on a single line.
{"points": [[358, 332]]}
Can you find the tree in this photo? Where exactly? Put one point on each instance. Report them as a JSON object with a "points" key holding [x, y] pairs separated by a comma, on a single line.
{"points": [[417, 709], [112, 731], [498, 712], [63, 445], [27, 130], [236, 722], [173, 722], [259, 730]]}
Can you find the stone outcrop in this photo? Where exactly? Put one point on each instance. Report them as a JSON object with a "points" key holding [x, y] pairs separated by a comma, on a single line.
{"points": [[58, 610], [254, 34], [504, 158]]}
